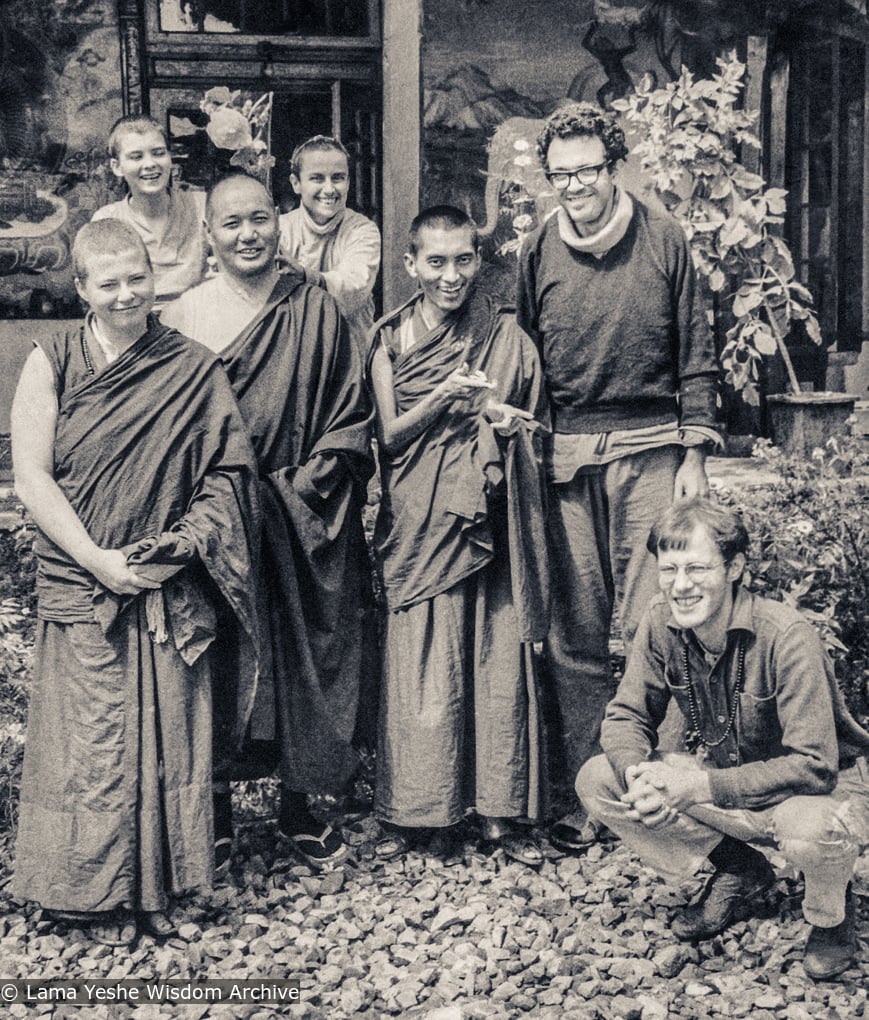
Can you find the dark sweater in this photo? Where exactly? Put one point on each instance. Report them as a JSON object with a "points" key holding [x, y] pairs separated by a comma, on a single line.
{"points": [[623, 338]]}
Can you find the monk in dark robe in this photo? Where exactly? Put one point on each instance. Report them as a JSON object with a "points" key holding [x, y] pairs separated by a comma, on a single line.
{"points": [[299, 383], [459, 536], [132, 457]]}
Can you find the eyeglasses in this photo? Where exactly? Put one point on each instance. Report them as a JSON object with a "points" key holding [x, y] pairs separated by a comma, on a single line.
{"points": [[696, 572], [585, 175]]}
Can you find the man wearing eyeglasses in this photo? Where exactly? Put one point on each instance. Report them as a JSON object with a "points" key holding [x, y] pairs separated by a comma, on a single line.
{"points": [[607, 290], [774, 756]]}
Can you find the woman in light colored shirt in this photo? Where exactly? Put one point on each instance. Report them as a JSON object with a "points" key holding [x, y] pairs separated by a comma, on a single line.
{"points": [[337, 248], [168, 217]]}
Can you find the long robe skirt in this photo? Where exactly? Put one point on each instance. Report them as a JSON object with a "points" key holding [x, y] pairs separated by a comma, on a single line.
{"points": [[116, 791], [458, 714]]}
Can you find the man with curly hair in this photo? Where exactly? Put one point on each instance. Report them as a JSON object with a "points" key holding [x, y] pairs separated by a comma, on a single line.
{"points": [[607, 289]]}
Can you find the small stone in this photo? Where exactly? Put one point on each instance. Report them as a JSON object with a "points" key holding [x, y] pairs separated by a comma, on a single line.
{"points": [[332, 882], [626, 1008], [653, 1007], [330, 976], [769, 1000], [697, 988], [445, 918], [670, 960], [505, 991], [588, 989]]}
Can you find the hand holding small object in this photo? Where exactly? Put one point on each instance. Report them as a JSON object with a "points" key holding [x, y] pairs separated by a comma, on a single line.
{"points": [[501, 415], [462, 382]]}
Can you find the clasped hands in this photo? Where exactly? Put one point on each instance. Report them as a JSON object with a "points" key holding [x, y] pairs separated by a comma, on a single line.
{"points": [[110, 568], [657, 792]]}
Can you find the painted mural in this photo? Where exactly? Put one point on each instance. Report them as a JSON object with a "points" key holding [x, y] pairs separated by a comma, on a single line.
{"points": [[492, 73], [59, 95]]}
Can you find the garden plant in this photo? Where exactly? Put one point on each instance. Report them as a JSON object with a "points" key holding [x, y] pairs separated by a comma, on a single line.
{"points": [[691, 132]]}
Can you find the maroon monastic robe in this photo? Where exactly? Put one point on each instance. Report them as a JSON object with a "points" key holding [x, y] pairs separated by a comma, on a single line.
{"points": [[299, 384], [152, 454], [461, 545]]}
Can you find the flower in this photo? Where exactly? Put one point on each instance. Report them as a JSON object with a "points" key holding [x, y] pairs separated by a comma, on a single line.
{"points": [[228, 128], [252, 161], [217, 97], [521, 145], [523, 160], [242, 125], [523, 223]]}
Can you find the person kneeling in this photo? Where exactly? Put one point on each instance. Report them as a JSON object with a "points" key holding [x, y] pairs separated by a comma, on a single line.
{"points": [[773, 756]]}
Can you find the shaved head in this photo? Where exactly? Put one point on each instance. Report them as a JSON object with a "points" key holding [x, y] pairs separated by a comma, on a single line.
{"points": [[236, 181], [104, 237], [242, 226]]}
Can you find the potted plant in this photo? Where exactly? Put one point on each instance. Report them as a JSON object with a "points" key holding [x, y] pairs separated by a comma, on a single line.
{"points": [[689, 132]]}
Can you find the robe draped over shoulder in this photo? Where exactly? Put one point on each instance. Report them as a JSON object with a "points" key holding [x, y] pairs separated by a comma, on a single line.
{"points": [[152, 454], [298, 381], [435, 525], [460, 542]]}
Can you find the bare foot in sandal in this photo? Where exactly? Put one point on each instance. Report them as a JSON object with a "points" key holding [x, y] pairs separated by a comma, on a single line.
{"points": [[156, 923], [393, 842], [114, 928], [500, 833]]}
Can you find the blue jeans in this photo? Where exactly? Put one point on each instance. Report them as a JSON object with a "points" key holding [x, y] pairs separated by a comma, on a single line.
{"points": [[821, 836], [597, 530]]}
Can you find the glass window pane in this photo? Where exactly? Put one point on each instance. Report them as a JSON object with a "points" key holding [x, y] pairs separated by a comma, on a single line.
{"points": [[266, 17]]}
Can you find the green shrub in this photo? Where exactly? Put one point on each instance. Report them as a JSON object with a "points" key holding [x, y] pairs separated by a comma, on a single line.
{"points": [[811, 549], [17, 602]]}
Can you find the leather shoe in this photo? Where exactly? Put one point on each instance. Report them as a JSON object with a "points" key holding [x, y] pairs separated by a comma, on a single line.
{"points": [[829, 951], [726, 898]]}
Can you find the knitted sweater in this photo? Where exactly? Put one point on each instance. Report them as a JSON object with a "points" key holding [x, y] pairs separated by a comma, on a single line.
{"points": [[623, 337]]}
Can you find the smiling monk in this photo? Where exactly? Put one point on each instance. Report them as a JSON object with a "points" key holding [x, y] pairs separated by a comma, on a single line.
{"points": [[298, 380], [459, 395], [132, 457]]}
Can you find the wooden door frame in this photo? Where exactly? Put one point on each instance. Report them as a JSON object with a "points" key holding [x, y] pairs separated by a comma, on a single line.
{"points": [[400, 27]]}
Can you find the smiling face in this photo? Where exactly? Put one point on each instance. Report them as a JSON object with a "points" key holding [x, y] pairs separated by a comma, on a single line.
{"points": [[144, 162], [445, 265], [119, 288], [242, 227], [700, 600], [322, 183], [589, 206]]}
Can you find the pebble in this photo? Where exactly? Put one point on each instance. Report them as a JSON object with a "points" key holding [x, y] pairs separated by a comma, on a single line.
{"points": [[586, 938]]}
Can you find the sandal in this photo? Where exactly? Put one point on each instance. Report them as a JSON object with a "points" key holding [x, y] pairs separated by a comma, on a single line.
{"points": [[521, 848], [222, 856], [392, 844], [156, 923], [114, 928], [69, 916], [513, 842], [322, 851], [222, 797]]}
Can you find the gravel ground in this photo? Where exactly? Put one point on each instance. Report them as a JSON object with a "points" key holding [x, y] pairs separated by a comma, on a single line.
{"points": [[451, 936]]}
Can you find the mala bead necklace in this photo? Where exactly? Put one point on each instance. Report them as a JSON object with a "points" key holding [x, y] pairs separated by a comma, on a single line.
{"points": [[696, 739], [85, 350]]}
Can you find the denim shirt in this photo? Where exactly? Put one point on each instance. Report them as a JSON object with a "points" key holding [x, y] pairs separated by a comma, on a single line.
{"points": [[783, 741]]}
